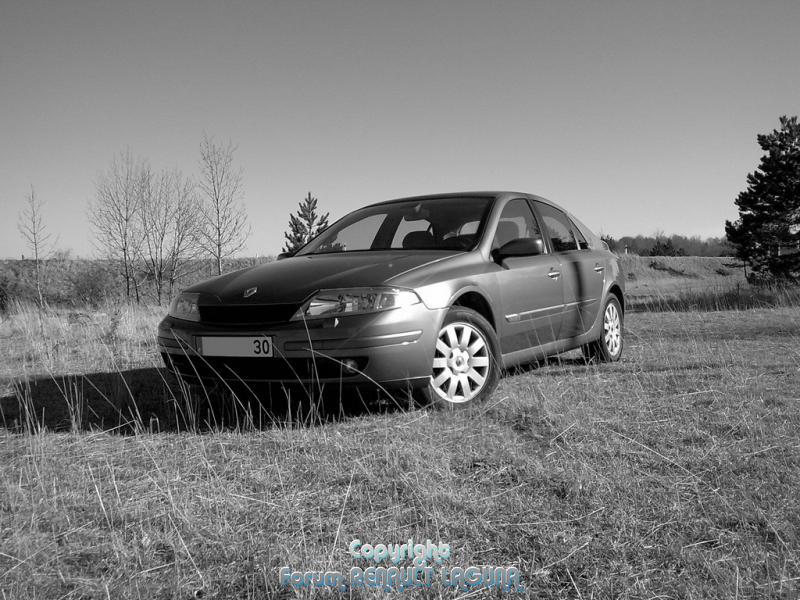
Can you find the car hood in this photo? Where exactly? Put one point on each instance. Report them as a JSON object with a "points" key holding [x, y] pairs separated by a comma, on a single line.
{"points": [[292, 280]]}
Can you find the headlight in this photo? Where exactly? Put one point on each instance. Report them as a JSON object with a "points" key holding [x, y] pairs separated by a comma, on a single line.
{"points": [[354, 301], [185, 307]]}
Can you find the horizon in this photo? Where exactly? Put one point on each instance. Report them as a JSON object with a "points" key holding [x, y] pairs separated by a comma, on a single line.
{"points": [[637, 118], [66, 254]]}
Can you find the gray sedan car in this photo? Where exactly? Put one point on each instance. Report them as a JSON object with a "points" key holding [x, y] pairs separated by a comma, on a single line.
{"points": [[434, 294]]}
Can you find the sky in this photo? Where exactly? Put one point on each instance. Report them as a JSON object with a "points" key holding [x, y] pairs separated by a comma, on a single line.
{"points": [[636, 115]]}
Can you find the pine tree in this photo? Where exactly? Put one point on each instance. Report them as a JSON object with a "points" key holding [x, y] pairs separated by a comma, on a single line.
{"points": [[304, 225], [767, 232]]}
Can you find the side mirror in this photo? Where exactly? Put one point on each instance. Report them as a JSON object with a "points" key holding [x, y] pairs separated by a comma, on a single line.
{"points": [[283, 255], [519, 247]]}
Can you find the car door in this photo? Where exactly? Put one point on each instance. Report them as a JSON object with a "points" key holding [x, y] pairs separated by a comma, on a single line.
{"points": [[530, 286], [582, 270]]}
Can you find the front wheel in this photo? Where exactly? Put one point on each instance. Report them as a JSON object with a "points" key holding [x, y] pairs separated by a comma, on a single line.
{"points": [[464, 369], [609, 347]]}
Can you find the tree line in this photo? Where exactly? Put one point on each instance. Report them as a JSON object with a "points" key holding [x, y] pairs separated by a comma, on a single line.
{"points": [[156, 227], [659, 244], [766, 236], [155, 223], [155, 230]]}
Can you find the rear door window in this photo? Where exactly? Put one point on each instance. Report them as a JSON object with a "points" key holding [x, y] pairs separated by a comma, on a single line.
{"points": [[558, 227], [582, 243]]}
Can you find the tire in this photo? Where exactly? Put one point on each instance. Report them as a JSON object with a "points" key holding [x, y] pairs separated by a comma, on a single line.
{"points": [[609, 347], [464, 366]]}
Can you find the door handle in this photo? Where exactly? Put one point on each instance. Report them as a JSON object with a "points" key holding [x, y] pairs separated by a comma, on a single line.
{"points": [[553, 274], [598, 268]]}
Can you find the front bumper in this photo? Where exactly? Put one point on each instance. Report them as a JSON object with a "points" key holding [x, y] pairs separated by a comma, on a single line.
{"points": [[391, 348]]}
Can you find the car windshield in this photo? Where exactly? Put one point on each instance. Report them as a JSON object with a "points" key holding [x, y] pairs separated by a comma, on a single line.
{"points": [[452, 223]]}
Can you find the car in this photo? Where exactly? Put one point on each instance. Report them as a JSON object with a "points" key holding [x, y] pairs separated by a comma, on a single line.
{"points": [[435, 295]]}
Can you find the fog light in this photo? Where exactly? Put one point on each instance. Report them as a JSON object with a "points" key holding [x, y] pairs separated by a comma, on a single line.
{"points": [[350, 366]]}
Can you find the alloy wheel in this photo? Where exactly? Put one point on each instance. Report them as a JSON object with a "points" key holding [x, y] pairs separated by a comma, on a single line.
{"points": [[461, 363], [612, 329]]}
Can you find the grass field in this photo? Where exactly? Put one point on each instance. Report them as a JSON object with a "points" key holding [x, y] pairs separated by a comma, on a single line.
{"points": [[672, 474], [652, 279]]}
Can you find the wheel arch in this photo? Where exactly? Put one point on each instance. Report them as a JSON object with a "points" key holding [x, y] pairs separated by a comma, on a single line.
{"points": [[477, 302], [617, 291]]}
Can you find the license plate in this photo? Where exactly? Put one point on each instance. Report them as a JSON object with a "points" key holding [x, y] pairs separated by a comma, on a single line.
{"points": [[260, 347]]}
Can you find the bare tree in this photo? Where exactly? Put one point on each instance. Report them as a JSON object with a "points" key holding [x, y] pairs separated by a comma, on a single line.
{"points": [[187, 232], [155, 214], [115, 215], [170, 229], [224, 218], [37, 238]]}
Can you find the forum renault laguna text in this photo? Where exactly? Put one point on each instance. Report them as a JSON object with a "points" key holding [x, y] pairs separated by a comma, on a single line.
{"points": [[435, 294]]}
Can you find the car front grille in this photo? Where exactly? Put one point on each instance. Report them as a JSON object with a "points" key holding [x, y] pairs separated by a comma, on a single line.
{"points": [[247, 314]]}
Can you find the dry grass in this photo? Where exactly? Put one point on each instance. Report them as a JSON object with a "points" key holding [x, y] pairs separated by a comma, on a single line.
{"points": [[692, 283], [67, 341], [79, 367], [654, 278], [672, 474], [718, 299]]}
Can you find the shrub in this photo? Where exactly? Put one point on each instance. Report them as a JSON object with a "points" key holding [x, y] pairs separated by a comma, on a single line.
{"points": [[92, 284]]}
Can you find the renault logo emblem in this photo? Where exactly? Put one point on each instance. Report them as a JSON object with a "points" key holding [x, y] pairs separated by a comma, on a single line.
{"points": [[250, 291]]}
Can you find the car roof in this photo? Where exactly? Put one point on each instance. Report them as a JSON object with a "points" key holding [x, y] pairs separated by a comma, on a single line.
{"points": [[479, 194]]}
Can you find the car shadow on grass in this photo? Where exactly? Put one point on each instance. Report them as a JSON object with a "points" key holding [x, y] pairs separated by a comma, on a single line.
{"points": [[154, 400]]}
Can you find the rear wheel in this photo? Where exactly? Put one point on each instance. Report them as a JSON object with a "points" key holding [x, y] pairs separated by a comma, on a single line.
{"points": [[609, 347], [464, 369]]}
